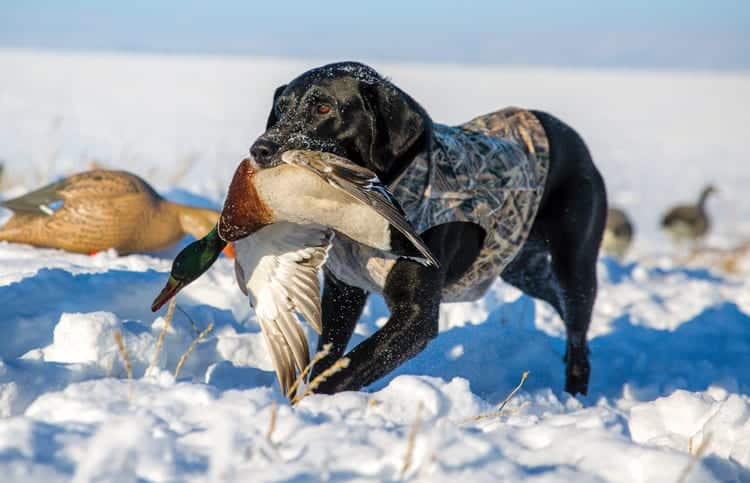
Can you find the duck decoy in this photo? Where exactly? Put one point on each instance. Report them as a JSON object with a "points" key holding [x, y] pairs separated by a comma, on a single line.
{"points": [[282, 221], [688, 222], [101, 209], [618, 233]]}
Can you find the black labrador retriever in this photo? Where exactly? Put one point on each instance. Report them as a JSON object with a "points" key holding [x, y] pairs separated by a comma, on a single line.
{"points": [[349, 109]]}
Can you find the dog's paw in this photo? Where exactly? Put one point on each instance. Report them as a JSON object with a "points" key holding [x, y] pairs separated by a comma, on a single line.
{"points": [[577, 370], [577, 378]]}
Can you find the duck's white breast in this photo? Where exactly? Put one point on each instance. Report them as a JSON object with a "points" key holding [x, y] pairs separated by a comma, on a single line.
{"points": [[300, 196], [359, 265]]}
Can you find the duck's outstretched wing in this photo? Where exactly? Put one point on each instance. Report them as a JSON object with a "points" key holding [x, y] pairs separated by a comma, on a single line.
{"points": [[363, 185], [277, 267]]}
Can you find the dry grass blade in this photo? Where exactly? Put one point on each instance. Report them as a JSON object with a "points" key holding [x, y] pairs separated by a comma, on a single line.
{"points": [[733, 261], [513, 392], [696, 457], [411, 440], [728, 260], [123, 353], [125, 360], [109, 366], [301, 377], [192, 322], [336, 367], [272, 422], [190, 349], [163, 333], [502, 405]]}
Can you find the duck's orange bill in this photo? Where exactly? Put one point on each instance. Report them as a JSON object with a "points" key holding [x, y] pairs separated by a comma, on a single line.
{"points": [[170, 290], [229, 250]]}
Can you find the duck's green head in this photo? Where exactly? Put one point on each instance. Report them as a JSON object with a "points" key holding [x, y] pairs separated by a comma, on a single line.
{"points": [[190, 264]]}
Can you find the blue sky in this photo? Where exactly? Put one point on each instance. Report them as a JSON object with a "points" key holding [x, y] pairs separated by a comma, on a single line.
{"points": [[634, 33]]}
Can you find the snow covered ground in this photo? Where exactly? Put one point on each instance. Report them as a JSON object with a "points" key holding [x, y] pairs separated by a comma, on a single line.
{"points": [[670, 388]]}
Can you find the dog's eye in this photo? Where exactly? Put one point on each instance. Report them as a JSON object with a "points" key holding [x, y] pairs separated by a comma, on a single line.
{"points": [[322, 109]]}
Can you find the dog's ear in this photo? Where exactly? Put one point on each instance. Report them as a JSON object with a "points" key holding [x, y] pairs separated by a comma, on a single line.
{"points": [[397, 123], [272, 119]]}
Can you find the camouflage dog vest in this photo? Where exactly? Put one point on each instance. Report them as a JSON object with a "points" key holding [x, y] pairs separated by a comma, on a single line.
{"points": [[490, 171]]}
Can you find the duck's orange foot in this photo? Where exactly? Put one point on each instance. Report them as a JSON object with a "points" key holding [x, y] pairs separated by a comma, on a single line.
{"points": [[93, 252]]}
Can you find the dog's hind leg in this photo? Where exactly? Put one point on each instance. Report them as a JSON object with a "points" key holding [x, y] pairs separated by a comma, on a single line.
{"points": [[571, 222], [531, 272], [557, 264], [574, 237]]}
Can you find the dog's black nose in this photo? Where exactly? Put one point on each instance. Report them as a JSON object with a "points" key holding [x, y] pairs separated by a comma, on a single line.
{"points": [[263, 151]]}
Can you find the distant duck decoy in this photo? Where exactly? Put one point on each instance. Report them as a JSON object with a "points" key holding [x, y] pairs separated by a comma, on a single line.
{"points": [[618, 233], [282, 221], [688, 222], [102, 209]]}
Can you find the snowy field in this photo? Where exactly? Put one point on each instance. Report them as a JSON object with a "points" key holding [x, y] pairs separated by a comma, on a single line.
{"points": [[670, 390]]}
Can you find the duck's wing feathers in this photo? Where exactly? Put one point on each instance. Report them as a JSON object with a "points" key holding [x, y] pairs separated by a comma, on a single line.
{"points": [[277, 267], [97, 184], [363, 185], [41, 202]]}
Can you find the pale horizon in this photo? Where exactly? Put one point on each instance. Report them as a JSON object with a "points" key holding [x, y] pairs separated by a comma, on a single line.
{"points": [[689, 34]]}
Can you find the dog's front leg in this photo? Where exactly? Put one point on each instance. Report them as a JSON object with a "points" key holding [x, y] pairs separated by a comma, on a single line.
{"points": [[412, 292], [342, 306]]}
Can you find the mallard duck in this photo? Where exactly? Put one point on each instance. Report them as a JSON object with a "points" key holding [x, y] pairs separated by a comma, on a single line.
{"points": [[330, 191], [101, 209], [688, 222], [618, 233], [282, 221]]}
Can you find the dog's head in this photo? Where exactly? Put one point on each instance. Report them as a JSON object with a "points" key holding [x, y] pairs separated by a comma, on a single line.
{"points": [[347, 109]]}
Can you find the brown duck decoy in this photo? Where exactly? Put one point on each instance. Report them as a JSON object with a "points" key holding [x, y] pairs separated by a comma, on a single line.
{"points": [[101, 209]]}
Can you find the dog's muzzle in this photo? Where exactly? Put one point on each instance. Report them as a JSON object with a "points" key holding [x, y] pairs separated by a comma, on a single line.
{"points": [[266, 151]]}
